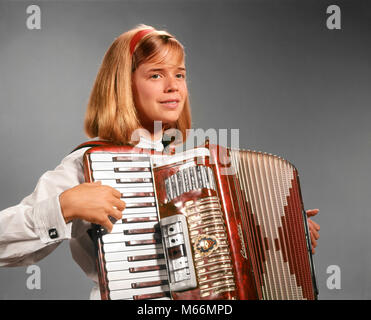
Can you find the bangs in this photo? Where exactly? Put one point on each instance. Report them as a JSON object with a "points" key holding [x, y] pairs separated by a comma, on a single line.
{"points": [[158, 49]]}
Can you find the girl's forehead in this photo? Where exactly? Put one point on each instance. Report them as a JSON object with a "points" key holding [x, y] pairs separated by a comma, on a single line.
{"points": [[170, 58], [163, 64]]}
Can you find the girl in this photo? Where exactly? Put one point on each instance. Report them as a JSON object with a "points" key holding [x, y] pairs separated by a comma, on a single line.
{"points": [[142, 79]]}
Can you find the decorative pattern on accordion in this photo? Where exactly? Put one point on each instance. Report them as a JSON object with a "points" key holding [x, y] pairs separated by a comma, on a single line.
{"points": [[274, 222]]}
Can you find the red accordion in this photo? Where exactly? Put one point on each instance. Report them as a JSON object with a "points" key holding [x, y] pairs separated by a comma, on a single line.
{"points": [[207, 223]]}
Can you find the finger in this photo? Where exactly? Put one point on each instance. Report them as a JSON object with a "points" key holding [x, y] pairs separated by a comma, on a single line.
{"points": [[313, 251], [314, 230], [315, 225], [114, 213], [104, 221], [116, 193], [314, 234], [312, 212], [314, 242], [119, 204], [107, 224]]}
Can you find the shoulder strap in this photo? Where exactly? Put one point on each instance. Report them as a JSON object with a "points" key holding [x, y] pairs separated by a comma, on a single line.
{"points": [[91, 144], [98, 143]]}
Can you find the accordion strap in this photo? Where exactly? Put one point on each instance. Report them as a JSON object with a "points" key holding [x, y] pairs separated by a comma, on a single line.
{"points": [[91, 144], [99, 143]]}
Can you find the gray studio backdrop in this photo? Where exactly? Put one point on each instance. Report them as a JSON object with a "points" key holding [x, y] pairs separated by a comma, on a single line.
{"points": [[271, 69]]}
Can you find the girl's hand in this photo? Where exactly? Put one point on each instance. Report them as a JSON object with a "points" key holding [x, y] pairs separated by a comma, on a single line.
{"points": [[313, 228], [92, 202]]}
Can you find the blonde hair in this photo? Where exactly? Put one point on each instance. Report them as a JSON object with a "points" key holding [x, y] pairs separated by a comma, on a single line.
{"points": [[111, 113]]}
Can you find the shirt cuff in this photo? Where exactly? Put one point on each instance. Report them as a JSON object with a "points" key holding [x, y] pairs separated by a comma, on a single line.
{"points": [[49, 222]]}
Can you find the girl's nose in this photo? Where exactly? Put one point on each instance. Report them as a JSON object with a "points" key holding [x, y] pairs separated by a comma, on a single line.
{"points": [[171, 85]]}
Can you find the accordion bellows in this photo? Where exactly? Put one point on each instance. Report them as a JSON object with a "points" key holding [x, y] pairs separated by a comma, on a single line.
{"points": [[209, 223]]}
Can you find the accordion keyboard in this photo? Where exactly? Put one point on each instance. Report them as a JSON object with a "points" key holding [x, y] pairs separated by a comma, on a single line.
{"points": [[133, 252]]}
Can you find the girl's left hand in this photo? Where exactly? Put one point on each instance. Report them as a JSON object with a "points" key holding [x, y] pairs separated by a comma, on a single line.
{"points": [[313, 228]]}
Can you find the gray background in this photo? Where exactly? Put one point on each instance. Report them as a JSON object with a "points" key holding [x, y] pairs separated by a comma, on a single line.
{"points": [[270, 68]]}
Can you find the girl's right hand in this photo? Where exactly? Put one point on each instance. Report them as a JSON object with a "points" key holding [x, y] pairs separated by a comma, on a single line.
{"points": [[92, 202]]}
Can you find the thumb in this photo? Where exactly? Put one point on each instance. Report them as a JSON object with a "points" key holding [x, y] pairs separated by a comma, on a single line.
{"points": [[312, 212]]}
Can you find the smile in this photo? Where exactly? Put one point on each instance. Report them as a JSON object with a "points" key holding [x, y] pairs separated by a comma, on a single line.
{"points": [[170, 103]]}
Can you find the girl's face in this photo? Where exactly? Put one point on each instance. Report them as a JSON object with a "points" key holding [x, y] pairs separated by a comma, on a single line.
{"points": [[160, 91]]}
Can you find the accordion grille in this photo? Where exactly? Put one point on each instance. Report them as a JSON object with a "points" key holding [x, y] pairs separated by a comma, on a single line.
{"points": [[214, 270], [275, 218]]}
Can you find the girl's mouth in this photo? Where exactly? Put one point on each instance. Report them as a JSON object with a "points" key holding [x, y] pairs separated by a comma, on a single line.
{"points": [[170, 103]]}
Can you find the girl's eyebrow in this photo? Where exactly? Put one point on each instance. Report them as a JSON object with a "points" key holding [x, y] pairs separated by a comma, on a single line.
{"points": [[162, 69]]}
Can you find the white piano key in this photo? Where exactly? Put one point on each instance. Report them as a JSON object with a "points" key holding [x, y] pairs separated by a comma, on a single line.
{"points": [[120, 175], [120, 237], [96, 156], [125, 274], [140, 211], [138, 200], [127, 284], [112, 165], [120, 227], [128, 294], [114, 184], [123, 255], [121, 246], [135, 189], [125, 265]]}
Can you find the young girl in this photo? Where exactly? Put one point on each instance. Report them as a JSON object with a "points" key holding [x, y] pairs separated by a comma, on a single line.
{"points": [[142, 79]]}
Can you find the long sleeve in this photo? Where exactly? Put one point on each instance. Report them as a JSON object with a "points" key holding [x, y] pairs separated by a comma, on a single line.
{"points": [[32, 229]]}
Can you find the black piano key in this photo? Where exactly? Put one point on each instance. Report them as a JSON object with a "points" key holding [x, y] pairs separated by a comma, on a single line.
{"points": [[137, 194], [142, 242], [139, 231], [140, 205], [146, 257], [147, 284], [148, 296], [134, 180], [138, 220], [135, 169], [147, 268], [129, 159]]}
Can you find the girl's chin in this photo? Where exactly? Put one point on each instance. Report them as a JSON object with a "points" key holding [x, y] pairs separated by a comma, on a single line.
{"points": [[169, 119]]}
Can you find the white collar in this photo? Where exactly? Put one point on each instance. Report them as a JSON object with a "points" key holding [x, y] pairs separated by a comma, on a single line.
{"points": [[150, 144]]}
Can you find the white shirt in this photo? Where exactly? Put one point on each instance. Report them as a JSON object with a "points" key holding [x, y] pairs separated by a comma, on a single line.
{"points": [[32, 229]]}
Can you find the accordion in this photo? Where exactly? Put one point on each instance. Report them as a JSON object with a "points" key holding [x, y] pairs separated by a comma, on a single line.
{"points": [[206, 223]]}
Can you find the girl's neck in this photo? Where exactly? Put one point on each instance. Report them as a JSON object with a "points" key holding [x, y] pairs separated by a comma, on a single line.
{"points": [[155, 136], [154, 132]]}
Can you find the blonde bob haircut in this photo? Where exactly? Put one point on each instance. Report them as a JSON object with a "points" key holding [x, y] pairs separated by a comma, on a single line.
{"points": [[111, 113]]}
